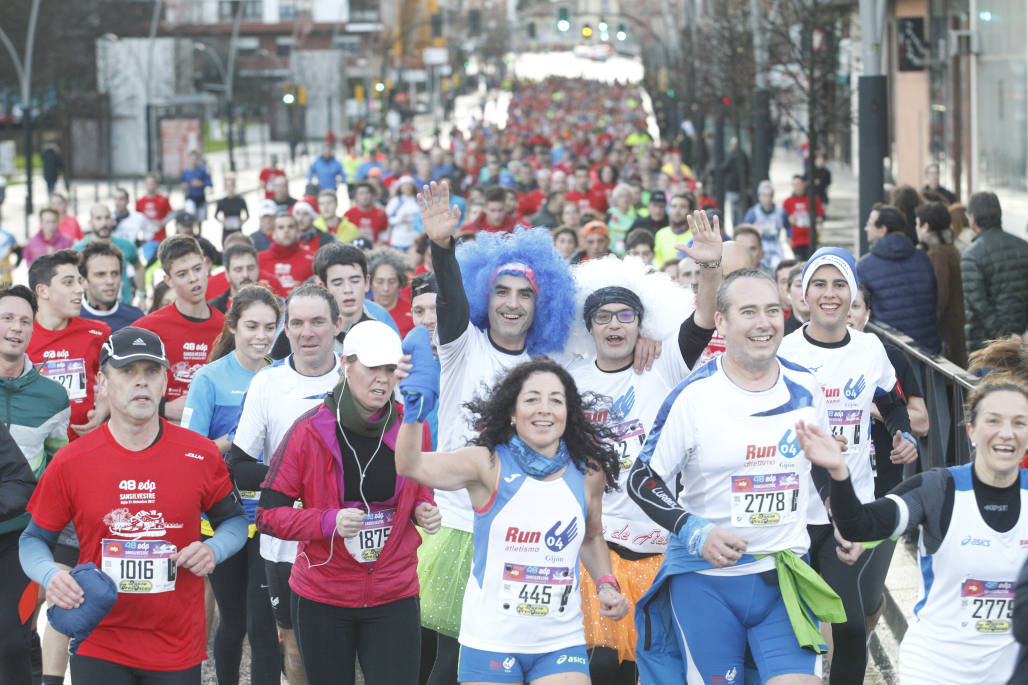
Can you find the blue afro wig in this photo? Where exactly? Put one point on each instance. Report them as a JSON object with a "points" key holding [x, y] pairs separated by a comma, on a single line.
{"points": [[555, 301]]}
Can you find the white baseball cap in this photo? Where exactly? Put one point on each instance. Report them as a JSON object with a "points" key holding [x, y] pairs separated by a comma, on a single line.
{"points": [[268, 208], [374, 344]]}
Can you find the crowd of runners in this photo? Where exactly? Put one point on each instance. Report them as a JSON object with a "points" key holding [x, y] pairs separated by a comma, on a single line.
{"points": [[528, 411]]}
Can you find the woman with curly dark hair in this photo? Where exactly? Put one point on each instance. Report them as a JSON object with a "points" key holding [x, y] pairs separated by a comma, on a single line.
{"points": [[536, 473]]}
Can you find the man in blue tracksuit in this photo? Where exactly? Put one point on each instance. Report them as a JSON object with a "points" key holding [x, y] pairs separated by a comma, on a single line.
{"points": [[327, 169]]}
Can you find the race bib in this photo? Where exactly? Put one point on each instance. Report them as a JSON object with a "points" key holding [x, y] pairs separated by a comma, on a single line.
{"points": [[140, 566], [846, 423], [367, 546], [987, 605], [70, 373], [629, 437], [768, 499], [535, 590], [233, 223]]}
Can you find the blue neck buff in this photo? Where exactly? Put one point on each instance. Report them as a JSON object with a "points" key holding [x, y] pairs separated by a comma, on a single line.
{"points": [[535, 464]]}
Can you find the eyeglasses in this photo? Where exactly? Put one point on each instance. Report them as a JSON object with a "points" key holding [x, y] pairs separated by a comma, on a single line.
{"points": [[602, 316]]}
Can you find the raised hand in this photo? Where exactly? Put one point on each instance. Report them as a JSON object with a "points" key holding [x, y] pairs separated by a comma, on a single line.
{"points": [[706, 238], [440, 220]]}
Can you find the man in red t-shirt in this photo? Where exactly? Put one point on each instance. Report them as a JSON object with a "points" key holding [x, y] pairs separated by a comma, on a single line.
{"points": [[288, 259], [241, 269], [64, 346], [797, 206], [495, 218], [579, 194], [188, 326], [154, 206], [369, 219], [134, 490], [268, 174]]}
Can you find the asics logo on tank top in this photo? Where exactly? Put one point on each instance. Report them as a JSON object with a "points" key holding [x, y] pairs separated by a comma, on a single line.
{"points": [[853, 389], [557, 541]]}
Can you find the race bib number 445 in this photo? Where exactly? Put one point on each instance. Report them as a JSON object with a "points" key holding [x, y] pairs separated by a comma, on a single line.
{"points": [[766, 499], [535, 590], [140, 566], [987, 605]]}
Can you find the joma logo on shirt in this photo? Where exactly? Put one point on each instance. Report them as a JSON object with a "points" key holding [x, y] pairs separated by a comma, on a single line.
{"points": [[194, 455]]}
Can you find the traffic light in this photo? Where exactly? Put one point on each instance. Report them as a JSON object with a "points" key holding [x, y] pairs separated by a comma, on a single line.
{"points": [[379, 87], [437, 25], [602, 26], [622, 34], [288, 94], [563, 22], [587, 31]]}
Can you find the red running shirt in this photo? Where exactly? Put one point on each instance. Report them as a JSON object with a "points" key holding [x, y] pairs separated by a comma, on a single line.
{"points": [[186, 342], [371, 224], [71, 356], [290, 265], [131, 510], [155, 209]]}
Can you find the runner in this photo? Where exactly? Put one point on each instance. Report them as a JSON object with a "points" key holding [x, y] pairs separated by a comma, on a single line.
{"points": [[101, 267], [287, 258], [361, 600], [188, 326], [973, 523], [277, 396], [64, 346], [521, 304], [135, 489], [742, 511], [36, 411], [535, 474], [213, 407], [854, 371], [610, 291]]}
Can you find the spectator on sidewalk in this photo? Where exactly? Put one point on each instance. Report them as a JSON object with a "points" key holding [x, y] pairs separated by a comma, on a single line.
{"points": [[67, 224], [901, 279], [822, 178], [195, 182], [155, 207], [931, 184], [936, 239], [797, 207], [268, 175], [995, 273], [327, 170], [770, 221], [53, 166], [906, 199], [48, 240], [963, 235], [735, 171]]}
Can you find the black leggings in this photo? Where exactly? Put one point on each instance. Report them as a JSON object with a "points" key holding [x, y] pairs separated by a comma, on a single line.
{"points": [[860, 588], [241, 592], [447, 654], [604, 668], [386, 639], [86, 670], [15, 664]]}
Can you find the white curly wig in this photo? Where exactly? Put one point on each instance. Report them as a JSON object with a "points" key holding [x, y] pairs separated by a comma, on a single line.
{"points": [[665, 303]]}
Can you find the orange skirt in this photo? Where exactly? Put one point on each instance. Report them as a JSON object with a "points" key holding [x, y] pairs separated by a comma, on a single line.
{"points": [[635, 578]]}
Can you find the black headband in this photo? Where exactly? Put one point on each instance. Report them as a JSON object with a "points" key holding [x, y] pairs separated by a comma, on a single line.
{"points": [[608, 295]]}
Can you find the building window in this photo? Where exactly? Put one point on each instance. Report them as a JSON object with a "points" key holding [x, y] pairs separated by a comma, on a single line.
{"points": [[249, 10], [364, 11]]}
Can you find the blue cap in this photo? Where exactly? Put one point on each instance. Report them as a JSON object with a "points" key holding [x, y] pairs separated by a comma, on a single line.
{"points": [[99, 594]]}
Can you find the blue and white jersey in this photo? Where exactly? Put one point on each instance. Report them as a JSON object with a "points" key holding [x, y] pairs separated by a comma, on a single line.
{"points": [[523, 593], [851, 375], [740, 461], [214, 404], [961, 632], [278, 396]]}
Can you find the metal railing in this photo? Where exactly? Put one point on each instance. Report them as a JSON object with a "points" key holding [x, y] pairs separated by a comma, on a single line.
{"points": [[945, 388]]}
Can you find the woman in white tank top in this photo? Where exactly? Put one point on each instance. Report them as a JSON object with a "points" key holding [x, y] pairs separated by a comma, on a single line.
{"points": [[536, 474]]}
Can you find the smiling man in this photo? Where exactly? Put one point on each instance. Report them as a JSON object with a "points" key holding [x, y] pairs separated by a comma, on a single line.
{"points": [[501, 299], [188, 326], [854, 371]]}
